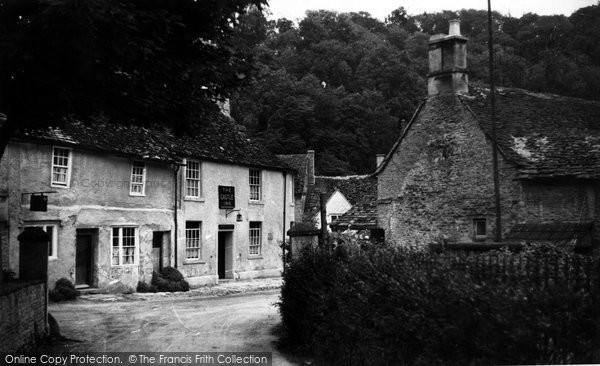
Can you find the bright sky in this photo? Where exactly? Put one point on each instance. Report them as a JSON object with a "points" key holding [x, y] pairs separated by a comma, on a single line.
{"points": [[295, 9]]}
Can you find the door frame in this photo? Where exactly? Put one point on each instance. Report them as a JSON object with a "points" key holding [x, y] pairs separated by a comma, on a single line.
{"points": [[227, 231], [91, 276]]}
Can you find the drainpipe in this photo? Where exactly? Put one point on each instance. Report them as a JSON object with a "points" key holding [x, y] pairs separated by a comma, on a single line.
{"points": [[284, 215], [176, 187]]}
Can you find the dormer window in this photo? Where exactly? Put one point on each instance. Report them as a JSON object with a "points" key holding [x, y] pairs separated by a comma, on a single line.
{"points": [[138, 179]]}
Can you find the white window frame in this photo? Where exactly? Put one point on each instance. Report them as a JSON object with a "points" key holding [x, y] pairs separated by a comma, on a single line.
{"points": [[477, 220], [53, 239], [56, 183], [255, 184], [133, 183], [119, 246], [197, 180], [193, 242], [255, 238]]}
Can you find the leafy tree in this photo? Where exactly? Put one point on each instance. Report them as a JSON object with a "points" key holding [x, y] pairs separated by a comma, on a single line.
{"points": [[133, 61], [344, 84]]}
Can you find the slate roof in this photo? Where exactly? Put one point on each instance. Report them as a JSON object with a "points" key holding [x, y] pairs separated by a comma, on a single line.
{"points": [[355, 188], [549, 232], [219, 141], [299, 162], [127, 141], [545, 135], [361, 216]]}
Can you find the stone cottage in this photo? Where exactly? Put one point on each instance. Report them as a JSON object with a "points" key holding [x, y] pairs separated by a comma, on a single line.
{"points": [[125, 201], [436, 184]]}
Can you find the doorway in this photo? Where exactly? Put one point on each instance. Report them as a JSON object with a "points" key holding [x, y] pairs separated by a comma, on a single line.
{"points": [[225, 254], [84, 245]]}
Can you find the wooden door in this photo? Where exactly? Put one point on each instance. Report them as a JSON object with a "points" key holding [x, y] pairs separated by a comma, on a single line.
{"points": [[221, 255], [83, 259]]}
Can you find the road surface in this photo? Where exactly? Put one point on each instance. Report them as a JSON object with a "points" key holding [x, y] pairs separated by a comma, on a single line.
{"points": [[172, 324]]}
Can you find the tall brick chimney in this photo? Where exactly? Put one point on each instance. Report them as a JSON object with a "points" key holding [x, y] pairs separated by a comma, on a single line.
{"points": [[448, 63]]}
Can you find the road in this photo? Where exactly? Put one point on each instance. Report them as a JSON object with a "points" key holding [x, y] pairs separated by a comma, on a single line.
{"points": [[187, 324]]}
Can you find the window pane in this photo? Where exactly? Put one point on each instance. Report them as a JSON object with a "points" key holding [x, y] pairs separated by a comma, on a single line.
{"points": [[254, 178], [480, 227], [60, 166], [137, 177], [192, 179], [192, 240], [255, 238], [124, 245]]}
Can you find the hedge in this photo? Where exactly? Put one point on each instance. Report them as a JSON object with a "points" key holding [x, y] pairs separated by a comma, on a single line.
{"points": [[390, 306]]}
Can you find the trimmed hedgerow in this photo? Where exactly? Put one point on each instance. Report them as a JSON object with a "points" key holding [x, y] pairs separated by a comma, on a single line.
{"points": [[381, 306], [168, 280], [63, 290]]}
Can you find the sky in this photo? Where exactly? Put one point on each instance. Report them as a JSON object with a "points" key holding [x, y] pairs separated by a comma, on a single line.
{"points": [[295, 9]]}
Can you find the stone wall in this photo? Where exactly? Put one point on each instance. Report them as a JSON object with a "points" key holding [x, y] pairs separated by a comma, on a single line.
{"points": [[440, 179], [23, 315]]}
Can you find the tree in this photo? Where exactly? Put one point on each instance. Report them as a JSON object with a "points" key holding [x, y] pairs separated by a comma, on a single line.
{"points": [[142, 62]]}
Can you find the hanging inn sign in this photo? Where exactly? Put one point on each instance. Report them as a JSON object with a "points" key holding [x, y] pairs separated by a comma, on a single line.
{"points": [[226, 197]]}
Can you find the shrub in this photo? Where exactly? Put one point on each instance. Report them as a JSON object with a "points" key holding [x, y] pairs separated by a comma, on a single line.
{"points": [[168, 280], [379, 306], [63, 290], [144, 287], [171, 274]]}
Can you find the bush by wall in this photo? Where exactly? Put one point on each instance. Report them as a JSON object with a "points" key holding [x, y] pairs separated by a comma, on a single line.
{"points": [[168, 280], [63, 290], [390, 306]]}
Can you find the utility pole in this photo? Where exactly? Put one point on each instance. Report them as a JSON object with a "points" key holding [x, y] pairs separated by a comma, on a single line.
{"points": [[498, 236]]}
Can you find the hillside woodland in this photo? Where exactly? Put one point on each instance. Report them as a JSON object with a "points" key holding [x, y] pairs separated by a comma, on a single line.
{"points": [[345, 84]]}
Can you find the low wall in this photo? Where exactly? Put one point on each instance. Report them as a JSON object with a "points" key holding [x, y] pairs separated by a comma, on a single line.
{"points": [[23, 315]]}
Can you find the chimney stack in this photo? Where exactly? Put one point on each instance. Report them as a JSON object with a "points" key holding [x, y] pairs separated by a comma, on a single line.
{"points": [[448, 62], [310, 168]]}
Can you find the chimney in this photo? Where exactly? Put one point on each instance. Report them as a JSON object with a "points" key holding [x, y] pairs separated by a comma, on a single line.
{"points": [[379, 160], [448, 63], [310, 168]]}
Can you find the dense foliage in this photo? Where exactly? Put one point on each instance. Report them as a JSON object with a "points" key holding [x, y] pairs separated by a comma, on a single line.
{"points": [[141, 62], [345, 84], [386, 306]]}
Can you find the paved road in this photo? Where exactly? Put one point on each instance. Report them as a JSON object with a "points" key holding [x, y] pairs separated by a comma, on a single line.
{"points": [[179, 324]]}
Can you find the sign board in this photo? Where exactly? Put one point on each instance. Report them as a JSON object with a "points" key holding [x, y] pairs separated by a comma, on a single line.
{"points": [[226, 197], [38, 203]]}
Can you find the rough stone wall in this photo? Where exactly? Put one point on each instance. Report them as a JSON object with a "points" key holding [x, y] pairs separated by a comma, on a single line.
{"points": [[440, 179], [22, 317]]}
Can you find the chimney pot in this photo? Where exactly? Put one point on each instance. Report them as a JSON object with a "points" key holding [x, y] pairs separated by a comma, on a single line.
{"points": [[448, 63], [454, 28]]}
